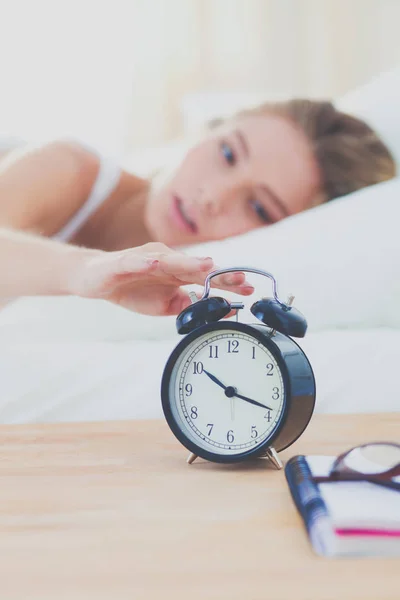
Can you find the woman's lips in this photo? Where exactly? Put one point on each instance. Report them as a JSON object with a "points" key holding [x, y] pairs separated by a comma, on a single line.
{"points": [[180, 216]]}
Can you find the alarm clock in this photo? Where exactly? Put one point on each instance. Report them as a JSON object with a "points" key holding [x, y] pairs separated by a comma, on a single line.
{"points": [[232, 391]]}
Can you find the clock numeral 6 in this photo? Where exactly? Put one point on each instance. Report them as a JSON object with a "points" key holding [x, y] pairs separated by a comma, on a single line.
{"points": [[193, 412], [229, 436], [188, 389], [197, 368], [254, 432]]}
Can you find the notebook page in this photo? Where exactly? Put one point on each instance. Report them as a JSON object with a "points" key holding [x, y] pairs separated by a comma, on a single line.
{"points": [[357, 504]]}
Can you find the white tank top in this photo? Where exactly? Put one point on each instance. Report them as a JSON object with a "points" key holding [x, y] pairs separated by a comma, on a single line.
{"points": [[106, 181]]}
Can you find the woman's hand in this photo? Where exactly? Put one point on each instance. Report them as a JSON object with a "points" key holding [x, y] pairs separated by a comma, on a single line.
{"points": [[147, 279]]}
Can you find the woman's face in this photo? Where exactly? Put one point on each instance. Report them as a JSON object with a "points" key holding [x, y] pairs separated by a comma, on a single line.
{"points": [[250, 172]]}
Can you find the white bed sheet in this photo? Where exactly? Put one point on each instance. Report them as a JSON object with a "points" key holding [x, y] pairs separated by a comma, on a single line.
{"points": [[108, 376]]}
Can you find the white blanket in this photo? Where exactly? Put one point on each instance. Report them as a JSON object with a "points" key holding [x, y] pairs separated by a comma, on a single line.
{"points": [[73, 360]]}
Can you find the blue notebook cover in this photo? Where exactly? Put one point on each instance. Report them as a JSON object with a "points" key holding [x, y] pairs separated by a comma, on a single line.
{"points": [[309, 502]]}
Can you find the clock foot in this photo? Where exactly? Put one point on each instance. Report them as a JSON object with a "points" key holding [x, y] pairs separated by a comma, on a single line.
{"points": [[272, 454], [191, 458]]}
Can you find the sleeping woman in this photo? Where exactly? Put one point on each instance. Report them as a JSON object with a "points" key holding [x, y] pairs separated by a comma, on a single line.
{"points": [[252, 170]]}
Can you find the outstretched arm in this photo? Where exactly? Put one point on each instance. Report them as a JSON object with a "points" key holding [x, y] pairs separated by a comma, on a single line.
{"points": [[146, 279]]}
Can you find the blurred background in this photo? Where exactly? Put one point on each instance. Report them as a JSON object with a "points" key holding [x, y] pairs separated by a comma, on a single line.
{"points": [[126, 75]]}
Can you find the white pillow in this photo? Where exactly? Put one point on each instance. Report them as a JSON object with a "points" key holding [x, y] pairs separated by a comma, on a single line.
{"points": [[377, 103], [341, 260]]}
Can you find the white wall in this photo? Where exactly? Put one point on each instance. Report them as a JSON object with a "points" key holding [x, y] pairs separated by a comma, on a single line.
{"points": [[118, 72]]}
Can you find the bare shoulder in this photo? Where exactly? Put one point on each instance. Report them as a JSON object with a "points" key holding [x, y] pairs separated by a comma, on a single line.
{"points": [[42, 187]]}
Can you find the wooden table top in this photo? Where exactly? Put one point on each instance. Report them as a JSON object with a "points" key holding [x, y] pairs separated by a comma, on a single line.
{"points": [[112, 511]]}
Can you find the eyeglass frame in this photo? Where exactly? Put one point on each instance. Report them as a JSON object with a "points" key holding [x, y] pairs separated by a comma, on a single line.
{"points": [[384, 478]]}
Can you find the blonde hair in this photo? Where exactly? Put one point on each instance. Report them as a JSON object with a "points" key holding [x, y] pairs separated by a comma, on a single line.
{"points": [[349, 154]]}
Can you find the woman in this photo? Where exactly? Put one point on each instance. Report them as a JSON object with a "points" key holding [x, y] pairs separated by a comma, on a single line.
{"points": [[255, 169]]}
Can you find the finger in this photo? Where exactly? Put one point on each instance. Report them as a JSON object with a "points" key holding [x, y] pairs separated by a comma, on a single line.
{"points": [[130, 262], [180, 265], [244, 289], [178, 302], [235, 281], [235, 278]]}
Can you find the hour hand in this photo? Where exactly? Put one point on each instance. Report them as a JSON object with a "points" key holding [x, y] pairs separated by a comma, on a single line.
{"points": [[214, 379], [252, 401]]}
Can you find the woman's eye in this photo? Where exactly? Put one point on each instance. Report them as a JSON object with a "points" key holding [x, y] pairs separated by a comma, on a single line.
{"points": [[260, 211], [228, 153]]}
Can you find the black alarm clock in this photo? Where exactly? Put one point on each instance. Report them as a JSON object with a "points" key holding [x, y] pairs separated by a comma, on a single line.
{"points": [[232, 391]]}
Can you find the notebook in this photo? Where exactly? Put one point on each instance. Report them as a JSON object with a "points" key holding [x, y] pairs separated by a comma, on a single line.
{"points": [[344, 518]]}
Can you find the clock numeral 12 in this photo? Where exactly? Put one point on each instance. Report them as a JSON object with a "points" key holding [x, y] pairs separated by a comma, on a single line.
{"points": [[233, 346]]}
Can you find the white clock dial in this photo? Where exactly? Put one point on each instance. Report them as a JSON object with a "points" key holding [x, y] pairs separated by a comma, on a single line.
{"points": [[227, 392]]}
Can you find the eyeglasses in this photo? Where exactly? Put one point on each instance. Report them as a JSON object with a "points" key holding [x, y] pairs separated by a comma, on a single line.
{"points": [[377, 463]]}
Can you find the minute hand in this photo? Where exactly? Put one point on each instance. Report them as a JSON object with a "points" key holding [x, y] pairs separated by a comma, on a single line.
{"points": [[253, 401]]}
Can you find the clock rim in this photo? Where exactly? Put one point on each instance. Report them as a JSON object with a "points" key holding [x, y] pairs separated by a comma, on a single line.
{"points": [[254, 331]]}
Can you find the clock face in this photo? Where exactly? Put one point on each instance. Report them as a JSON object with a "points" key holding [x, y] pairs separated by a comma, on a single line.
{"points": [[226, 392]]}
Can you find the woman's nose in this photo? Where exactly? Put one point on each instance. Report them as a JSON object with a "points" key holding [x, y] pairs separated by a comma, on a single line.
{"points": [[211, 202]]}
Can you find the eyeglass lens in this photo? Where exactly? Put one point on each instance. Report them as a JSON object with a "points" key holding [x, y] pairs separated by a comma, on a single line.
{"points": [[370, 459]]}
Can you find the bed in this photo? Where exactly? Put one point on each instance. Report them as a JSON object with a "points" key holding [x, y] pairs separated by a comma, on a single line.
{"points": [[68, 359]]}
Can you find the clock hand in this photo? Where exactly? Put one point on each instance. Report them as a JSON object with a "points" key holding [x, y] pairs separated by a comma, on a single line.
{"points": [[231, 391], [252, 401], [214, 379]]}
